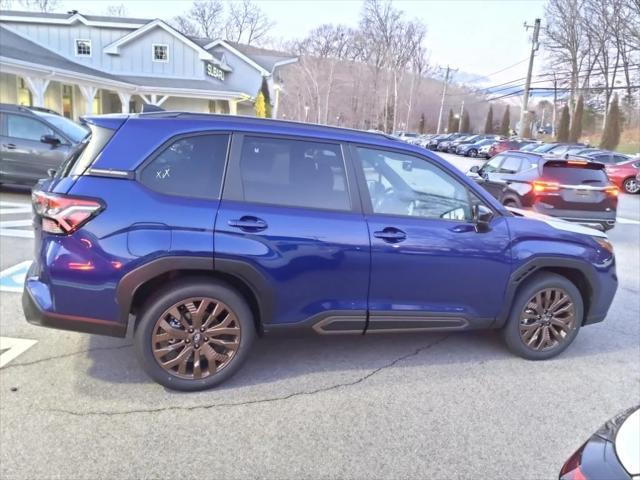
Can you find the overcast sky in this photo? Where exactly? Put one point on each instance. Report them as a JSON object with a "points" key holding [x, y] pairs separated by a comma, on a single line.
{"points": [[477, 36]]}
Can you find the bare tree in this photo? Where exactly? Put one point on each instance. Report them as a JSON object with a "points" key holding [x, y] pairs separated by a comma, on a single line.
{"points": [[6, 4], [116, 10], [207, 15], [185, 26], [247, 23], [566, 38], [46, 6]]}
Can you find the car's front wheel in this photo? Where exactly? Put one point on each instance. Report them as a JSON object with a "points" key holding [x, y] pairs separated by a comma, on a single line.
{"points": [[194, 334], [545, 317], [631, 185], [473, 153]]}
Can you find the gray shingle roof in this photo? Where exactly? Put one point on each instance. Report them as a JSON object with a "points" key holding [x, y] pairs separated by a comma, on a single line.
{"points": [[264, 57], [17, 47], [165, 82], [95, 18]]}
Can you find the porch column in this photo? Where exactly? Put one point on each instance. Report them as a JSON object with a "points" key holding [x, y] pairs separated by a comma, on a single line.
{"points": [[276, 103], [125, 98], [37, 86], [233, 107], [89, 94]]}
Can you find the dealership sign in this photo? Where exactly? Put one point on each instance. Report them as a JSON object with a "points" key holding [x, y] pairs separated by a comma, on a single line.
{"points": [[214, 71]]}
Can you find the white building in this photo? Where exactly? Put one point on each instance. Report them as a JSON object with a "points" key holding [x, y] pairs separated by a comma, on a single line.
{"points": [[77, 64]]}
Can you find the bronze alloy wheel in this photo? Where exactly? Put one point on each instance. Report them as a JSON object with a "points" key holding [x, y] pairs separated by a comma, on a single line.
{"points": [[547, 319], [196, 338]]}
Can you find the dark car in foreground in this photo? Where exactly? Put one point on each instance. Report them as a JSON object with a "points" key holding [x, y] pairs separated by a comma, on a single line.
{"points": [[244, 227], [574, 190], [34, 141], [612, 453]]}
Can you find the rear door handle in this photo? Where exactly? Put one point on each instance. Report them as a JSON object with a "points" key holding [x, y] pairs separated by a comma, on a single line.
{"points": [[391, 235], [249, 224], [9, 146]]}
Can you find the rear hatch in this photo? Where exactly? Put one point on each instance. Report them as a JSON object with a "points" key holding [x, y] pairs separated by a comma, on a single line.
{"points": [[80, 159], [576, 186]]}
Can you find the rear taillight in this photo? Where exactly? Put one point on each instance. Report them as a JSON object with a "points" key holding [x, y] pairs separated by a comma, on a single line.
{"points": [[63, 214], [612, 190], [571, 468], [541, 187]]}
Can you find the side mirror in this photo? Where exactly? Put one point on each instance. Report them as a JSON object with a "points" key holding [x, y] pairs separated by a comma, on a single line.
{"points": [[482, 217], [50, 139], [474, 169]]}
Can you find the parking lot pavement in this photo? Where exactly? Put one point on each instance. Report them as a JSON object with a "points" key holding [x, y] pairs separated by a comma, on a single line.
{"points": [[409, 405]]}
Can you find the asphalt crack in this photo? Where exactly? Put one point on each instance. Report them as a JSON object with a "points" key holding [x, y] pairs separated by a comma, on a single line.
{"points": [[337, 386], [64, 355]]}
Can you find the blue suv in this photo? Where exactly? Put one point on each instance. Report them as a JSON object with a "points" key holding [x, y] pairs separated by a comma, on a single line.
{"points": [[205, 232]]}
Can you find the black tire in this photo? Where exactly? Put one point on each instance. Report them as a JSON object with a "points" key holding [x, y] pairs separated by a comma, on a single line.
{"points": [[631, 185], [473, 153], [511, 332], [511, 202], [169, 296]]}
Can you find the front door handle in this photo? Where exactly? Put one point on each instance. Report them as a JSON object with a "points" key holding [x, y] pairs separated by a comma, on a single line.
{"points": [[249, 224], [9, 146], [391, 235]]}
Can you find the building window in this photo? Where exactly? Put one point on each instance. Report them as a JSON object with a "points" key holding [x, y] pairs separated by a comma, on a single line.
{"points": [[83, 48], [160, 53]]}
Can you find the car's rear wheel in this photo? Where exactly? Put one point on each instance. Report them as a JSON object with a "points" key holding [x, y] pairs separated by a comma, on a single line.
{"points": [[545, 317], [631, 185], [473, 153], [194, 334]]}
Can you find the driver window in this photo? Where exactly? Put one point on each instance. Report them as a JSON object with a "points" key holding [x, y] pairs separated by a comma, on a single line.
{"points": [[400, 184]]}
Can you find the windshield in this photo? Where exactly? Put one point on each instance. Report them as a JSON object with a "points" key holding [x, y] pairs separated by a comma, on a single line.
{"points": [[71, 129]]}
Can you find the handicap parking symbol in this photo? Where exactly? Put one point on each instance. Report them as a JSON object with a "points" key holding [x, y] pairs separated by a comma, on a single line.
{"points": [[12, 278]]}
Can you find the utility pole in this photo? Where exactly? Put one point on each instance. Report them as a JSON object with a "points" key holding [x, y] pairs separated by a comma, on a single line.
{"points": [[527, 86], [461, 113], [444, 93], [555, 101]]}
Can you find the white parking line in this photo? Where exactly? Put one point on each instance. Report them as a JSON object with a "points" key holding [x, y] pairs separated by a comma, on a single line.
{"points": [[628, 221], [8, 208], [14, 347], [12, 278]]}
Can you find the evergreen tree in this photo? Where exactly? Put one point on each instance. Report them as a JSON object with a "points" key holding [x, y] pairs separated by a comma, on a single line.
{"points": [[465, 126], [506, 122], [576, 122], [260, 107], [450, 123], [421, 124], [562, 134], [611, 134], [488, 123], [264, 89]]}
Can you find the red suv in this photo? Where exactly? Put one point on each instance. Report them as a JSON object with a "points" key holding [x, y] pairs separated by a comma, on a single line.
{"points": [[503, 146], [624, 175]]}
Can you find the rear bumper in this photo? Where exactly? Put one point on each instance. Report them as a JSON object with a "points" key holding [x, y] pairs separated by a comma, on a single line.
{"points": [[37, 304], [584, 217]]}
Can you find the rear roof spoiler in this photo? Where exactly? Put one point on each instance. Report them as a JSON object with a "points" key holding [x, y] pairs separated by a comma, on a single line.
{"points": [[573, 163]]}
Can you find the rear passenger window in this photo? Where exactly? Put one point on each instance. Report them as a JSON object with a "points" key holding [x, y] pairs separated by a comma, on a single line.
{"points": [[190, 167], [294, 173], [510, 165]]}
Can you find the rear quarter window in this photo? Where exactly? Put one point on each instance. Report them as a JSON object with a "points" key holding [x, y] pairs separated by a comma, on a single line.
{"points": [[86, 152]]}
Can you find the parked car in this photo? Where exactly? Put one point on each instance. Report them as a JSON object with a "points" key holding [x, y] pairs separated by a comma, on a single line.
{"points": [[433, 143], [34, 141], [409, 137], [423, 140], [443, 146], [545, 147], [502, 146], [607, 157], [574, 190], [529, 147], [245, 227], [473, 149], [613, 452], [625, 175], [483, 151], [453, 145], [561, 149]]}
